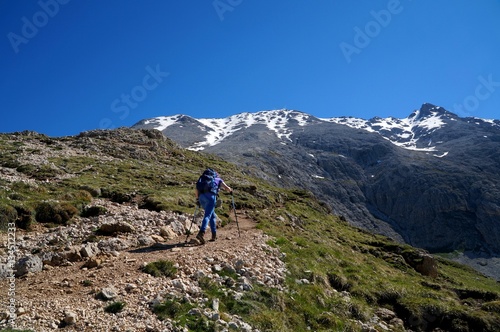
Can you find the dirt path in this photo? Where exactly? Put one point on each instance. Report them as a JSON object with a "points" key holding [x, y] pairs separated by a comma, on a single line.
{"points": [[46, 299]]}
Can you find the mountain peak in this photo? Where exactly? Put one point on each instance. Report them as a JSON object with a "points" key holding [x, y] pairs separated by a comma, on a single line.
{"points": [[428, 110]]}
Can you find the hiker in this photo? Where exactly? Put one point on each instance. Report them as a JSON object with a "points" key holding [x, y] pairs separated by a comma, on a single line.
{"points": [[207, 189]]}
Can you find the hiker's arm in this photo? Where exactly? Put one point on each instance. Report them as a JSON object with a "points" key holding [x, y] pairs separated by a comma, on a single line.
{"points": [[224, 186]]}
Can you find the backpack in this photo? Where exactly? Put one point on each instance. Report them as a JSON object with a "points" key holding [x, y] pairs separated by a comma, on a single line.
{"points": [[206, 182]]}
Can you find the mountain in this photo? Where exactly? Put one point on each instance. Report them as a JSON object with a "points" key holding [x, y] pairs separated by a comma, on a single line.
{"points": [[96, 234], [430, 180]]}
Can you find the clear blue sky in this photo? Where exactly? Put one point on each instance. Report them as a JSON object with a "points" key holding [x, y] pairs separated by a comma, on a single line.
{"points": [[70, 65]]}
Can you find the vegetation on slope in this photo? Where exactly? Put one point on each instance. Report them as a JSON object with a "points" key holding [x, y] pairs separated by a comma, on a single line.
{"points": [[339, 276]]}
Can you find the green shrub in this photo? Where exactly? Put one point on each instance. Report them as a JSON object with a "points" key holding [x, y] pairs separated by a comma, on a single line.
{"points": [[8, 214], [24, 217], [95, 192], [81, 196], [93, 211], [115, 307], [116, 196], [178, 309], [161, 268], [493, 306], [40, 173], [87, 283], [17, 197], [58, 213], [9, 162], [170, 308], [26, 169], [151, 204]]}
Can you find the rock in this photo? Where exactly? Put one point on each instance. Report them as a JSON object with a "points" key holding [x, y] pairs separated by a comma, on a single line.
{"points": [[167, 232], [422, 262], [180, 228], [52, 258], [108, 293], [117, 227], [157, 238], [245, 327], [5, 271], [145, 240], [177, 283], [114, 244], [70, 318], [217, 268], [89, 250], [428, 266], [28, 264], [233, 326], [91, 263], [239, 264], [385, 314], [215, 305], [72, 255], [129, 288], [195, 312]]}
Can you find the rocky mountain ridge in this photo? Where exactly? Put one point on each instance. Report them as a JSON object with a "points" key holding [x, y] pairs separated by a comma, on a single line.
{"points": [[413, 132], [430, 180]]}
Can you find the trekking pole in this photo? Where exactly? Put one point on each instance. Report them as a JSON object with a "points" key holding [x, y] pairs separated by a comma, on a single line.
{"points": [[192, 222], [235, 215]]}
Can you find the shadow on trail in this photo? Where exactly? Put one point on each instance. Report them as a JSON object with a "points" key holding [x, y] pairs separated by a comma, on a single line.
{"points": [[161, 247]]}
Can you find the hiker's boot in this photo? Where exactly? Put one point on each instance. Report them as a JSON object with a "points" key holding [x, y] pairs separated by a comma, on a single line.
{"points": [[213, 237], [200, 238]]}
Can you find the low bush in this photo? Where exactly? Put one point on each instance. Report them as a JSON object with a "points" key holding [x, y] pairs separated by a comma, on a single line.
{"points": [[161, 268], [151, 204], [8, 214], [93, 211], [24, 217], [58, 213], [115, 307]]}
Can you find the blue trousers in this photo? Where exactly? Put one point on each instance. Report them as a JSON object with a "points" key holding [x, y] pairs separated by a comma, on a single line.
{"points": [[207, 202]]}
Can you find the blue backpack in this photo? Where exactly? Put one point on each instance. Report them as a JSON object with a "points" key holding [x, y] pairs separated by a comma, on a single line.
{"points": [[206, 182]]}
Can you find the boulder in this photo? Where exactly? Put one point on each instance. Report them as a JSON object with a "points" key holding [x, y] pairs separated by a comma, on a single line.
{"points": [[117, 227], [28, 264]]}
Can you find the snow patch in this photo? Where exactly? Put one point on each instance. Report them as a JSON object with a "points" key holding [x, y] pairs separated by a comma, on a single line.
{"points": [[277, 121], [441, 156]]}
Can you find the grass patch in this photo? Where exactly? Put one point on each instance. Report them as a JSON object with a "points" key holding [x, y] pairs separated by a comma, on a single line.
{"points": [[115, 307], [161, 268], [180, 311], [87, 283]]}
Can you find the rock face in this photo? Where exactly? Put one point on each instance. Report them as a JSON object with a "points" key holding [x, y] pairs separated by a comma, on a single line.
{"points": [[430, 180]]}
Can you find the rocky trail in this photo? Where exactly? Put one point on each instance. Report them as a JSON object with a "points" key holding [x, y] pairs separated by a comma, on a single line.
{"points": [[78, 280]]}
